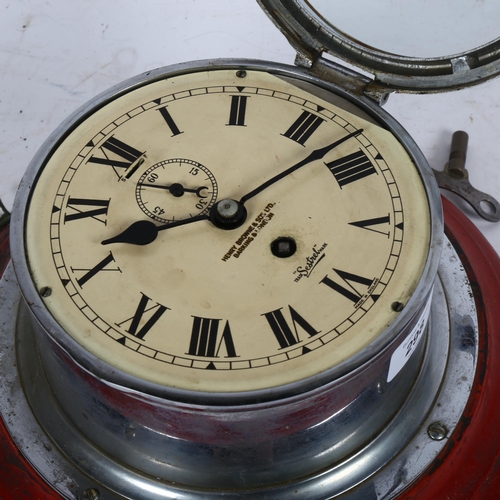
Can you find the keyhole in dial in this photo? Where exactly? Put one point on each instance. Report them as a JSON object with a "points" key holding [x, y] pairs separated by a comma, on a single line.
{"points": [[283, 247]]}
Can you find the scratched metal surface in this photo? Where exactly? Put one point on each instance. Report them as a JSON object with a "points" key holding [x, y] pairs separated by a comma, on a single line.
{"points": [[55, 55]]}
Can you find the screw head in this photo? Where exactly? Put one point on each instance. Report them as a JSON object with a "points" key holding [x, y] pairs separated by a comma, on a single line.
{"points": [[397, 306], [91, 494], [130, 432], [437, 431]]}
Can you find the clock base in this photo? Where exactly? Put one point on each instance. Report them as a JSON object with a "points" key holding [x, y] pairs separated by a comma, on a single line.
{"points": [[429, 456]]}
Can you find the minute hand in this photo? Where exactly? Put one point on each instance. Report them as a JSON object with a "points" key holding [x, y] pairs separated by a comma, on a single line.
{"points": [[317, 154]]}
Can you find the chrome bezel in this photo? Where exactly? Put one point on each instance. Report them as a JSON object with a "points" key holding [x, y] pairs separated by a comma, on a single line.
{"points": [[310, 35]]}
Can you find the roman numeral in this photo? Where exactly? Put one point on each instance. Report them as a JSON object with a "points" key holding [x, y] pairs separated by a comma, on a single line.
{"points": [[101, 266], [169, 121], [351, 292], [85, 207], [122, 155], [205, 340], [351, 168], [305, 125], [281, 329], [373, 224], [238, 110], [144, 318]]}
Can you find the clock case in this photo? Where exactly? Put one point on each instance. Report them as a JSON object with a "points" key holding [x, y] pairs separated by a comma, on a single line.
{"points": [[321, 437]]}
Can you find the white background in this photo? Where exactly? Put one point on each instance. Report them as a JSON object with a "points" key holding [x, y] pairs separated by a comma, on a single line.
{"points": [[57, 54]]}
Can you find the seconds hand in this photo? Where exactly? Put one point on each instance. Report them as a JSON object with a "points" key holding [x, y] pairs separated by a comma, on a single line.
{"points": [[177, 189], [144, 232]]}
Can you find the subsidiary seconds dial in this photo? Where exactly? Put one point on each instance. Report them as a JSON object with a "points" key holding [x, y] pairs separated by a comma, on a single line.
{"points": [[175, 189]]}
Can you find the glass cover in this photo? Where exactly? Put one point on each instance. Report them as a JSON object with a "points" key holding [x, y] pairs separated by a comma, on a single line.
{"points": [[415, 28]]}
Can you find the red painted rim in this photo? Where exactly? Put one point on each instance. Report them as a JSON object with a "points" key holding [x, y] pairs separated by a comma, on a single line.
{"points": [[18, 480], [468, 467]]}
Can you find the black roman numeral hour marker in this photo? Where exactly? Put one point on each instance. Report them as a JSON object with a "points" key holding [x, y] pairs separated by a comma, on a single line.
{"points": [[205, 339], [85, 207], [122, 155], [101, 266], [373, 224], [144, 318], [169, 121], [282, 330], [351, 168], [351, 292], [238, 110], [305, 125]]}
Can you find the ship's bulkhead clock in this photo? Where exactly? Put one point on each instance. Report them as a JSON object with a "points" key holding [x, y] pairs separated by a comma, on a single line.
{"points": [[226, 262], [228, 269]]}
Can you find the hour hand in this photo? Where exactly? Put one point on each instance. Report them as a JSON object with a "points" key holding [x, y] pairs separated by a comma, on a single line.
{"points": [[141, 232], [144, 232]]}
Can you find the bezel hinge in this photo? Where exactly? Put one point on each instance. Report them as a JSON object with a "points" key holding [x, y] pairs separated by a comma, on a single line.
{"points": [[344, 77]]}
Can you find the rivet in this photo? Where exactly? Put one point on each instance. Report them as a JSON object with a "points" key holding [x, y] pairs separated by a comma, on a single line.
{"points": [[241, 73], [46, 291], [437, 431], [397, 306]]}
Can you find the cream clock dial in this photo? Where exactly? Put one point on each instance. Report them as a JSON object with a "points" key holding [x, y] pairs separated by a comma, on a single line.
{"points": [[227, 231]]}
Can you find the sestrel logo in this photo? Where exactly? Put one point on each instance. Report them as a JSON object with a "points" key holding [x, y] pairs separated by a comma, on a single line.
{"points": [[311, 262]]}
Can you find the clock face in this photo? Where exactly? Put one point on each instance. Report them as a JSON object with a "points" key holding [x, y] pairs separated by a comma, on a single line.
{"points": [[321, 265]]}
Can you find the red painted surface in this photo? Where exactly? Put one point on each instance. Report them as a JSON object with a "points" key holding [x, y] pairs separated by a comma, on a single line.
{"points": [[469, 466], [4, 248], [18, 480]]}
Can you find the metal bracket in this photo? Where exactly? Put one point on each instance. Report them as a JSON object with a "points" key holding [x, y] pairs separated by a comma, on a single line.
{"points": [[5, 216]]}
